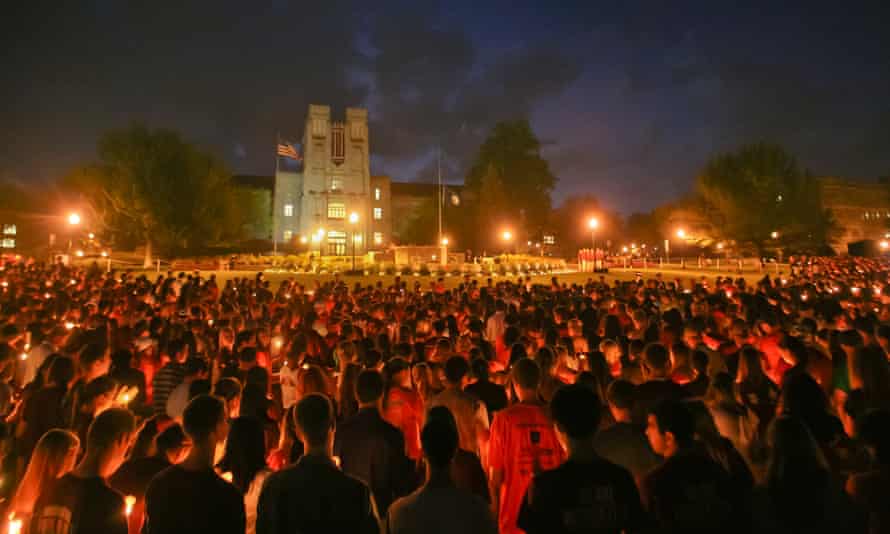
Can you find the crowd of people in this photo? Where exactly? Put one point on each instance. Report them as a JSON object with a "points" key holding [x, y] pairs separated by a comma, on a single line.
{"points": [[182, 405]]}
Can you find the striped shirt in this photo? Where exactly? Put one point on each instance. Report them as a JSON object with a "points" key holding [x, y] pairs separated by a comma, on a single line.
{"points": [[165, 381]]}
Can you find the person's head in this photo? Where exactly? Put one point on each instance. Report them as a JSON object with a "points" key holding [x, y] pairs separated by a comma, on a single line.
{"points": [[172, 444], [53, 457], [196, 368], [369, 388], [439, 438], [94, 361], [874, 430], [656, 361], [621, 395], [398, 372], [229, 390], [456, 370], [669, 427], [121, 359], [479, 368], [721, 390], [245, 452], [98, 394], [109, 438], [178, 351], [61, 371], [204, 421], [526, 376], [576, 412], [794, 452], [144, 444], [314, 419]]}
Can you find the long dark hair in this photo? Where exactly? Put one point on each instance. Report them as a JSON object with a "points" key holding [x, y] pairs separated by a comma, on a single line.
{"points": [[245, 453]]}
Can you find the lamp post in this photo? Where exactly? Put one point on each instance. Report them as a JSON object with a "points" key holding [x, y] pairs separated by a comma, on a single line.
{"points": [[353, 219], [73, 222], [507, 236], [593, 223], [443, 260]]}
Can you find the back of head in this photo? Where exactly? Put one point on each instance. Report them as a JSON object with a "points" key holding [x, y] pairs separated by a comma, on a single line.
{"points": [[108, 427], [202, 416], [576, 410], [245, 452], [314, 419], [439, 437], [621, 394], [874, 431], [369, 387], [227, 389], [794, 454], [46, 464], [526, 374], [61, 372], [170, 439], [674, 417], [657, 359], [479, 368], [456, 368]]}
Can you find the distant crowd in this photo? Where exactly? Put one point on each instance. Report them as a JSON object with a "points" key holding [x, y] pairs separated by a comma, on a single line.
{"points": [[184, 404]]}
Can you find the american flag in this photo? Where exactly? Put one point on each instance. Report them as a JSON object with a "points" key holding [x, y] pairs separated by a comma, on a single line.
{"points": [[288, 150]]}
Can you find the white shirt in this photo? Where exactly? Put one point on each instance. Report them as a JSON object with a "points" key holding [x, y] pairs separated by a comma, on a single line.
{"points": [[288, 379], [495, 326]]}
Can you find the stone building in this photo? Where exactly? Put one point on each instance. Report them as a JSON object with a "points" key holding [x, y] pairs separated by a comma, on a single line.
{"points": [[860, 209], [311, 207]]}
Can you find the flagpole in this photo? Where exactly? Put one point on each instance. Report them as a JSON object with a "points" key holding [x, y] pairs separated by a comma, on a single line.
{"points": [[274, 207], [439, 175]]}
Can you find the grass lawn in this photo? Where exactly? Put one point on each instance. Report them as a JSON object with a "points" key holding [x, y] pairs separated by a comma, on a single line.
{"points": [[453, 281]]}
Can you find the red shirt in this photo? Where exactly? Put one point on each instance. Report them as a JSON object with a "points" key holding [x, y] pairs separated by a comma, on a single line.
{"points": [[404, 410], [523, 444]]}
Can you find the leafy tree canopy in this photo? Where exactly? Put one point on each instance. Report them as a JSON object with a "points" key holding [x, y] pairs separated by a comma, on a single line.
{"points": [[152, 187]]}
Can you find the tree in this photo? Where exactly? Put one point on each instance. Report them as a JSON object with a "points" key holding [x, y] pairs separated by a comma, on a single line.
{"points": [[760, 189], [152, 187], [510, 180], [570, 224]]}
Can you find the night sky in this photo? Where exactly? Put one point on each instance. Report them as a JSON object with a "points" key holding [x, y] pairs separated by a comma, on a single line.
{"points": [[629, 98]]}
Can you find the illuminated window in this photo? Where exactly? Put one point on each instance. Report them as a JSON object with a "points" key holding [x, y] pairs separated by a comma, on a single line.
{"points": [[549, 240], [378, 238], [376, 193], [336, 210], [378, 214], [7, 242], [9, 229], [336, 243], [288, 235], [288, 210], [336, 184]]}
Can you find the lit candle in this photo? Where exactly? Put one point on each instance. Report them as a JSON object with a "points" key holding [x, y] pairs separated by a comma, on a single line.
{"points": [[69, 325], [227, 476], [15, 525], [129, 501]]}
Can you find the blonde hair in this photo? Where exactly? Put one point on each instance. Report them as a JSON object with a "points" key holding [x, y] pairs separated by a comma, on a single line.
{"points": [[46, 464]]}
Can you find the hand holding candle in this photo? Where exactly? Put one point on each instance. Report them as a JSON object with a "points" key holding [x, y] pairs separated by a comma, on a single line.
{"points": [[129, 502]]}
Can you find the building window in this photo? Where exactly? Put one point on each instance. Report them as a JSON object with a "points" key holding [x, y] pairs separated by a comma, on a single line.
{"points": [[9, 229], [378, 238], [378, 214], [336, 243], [549, 240], [288, 235], [336, 210], [7, 242], [376, 193], [288, 210], [336, 184]]}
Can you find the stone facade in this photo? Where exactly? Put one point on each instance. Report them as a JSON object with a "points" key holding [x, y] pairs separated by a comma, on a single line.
{"points": [[317, 203], [860, 209]]}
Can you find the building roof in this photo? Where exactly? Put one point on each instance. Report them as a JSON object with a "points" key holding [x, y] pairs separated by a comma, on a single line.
{"points": [[419, 189], [254, 181]]}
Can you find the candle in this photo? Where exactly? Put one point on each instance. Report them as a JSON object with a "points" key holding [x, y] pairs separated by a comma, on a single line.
{"points": [[227, 476], [15, 525], [129, 501]]}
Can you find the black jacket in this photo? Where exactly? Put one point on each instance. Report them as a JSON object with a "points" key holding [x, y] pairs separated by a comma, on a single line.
{"points": [[373, 451]]}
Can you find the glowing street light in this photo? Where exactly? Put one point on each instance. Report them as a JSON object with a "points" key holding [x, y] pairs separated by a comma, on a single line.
{"points": [[774, 234], [445, 241], [681, 233], [353, 219], [303, 240], [73, 219], [593, 223], [507, 235], [885, 244]]}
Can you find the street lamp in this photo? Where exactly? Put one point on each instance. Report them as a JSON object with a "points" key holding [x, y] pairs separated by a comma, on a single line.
{"points": [[593, 223], [353, 219], [681, 233], [73, 219], [443, 254], [774, 235]]}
